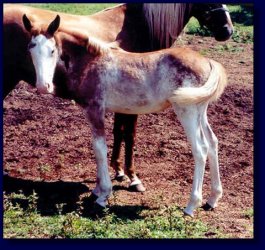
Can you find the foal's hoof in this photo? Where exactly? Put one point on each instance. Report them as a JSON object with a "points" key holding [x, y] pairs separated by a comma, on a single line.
{"points": [[207, 207], [89, 201], [120, 178], [92, 208], [99, 211], [95, 211], [137, 188], [188, 213]]}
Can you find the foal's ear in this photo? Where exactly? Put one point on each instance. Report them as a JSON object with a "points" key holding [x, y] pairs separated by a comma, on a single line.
{"points": [[27, 23], [54, 25]]}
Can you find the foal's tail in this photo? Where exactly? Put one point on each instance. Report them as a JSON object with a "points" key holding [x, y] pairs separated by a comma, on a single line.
{"points": [[209, 92]]}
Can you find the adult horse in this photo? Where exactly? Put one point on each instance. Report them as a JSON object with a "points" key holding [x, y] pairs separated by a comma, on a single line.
{"points": [[101, 78], [132, 27]]}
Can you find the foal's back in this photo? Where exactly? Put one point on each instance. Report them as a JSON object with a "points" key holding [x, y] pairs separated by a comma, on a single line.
{"points": [[174, 64], [140, 83]]}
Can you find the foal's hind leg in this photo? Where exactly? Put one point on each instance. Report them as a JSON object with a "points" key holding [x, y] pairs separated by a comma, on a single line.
{"points": [[190, 118], [216, 186], [103, 187]]}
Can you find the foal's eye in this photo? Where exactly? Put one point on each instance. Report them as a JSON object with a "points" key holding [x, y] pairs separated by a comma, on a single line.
{"points": [[52, 51]]}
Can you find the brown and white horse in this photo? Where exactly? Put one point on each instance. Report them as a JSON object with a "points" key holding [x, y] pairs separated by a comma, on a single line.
{"points": [[132, 27], [102, 78]]}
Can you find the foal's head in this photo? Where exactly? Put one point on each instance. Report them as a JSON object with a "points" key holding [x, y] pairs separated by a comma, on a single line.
{"points": [[44, 52], [50, 44]]}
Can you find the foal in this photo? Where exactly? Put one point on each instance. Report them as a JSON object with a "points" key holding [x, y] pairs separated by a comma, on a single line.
{"points": [[105, 79]]}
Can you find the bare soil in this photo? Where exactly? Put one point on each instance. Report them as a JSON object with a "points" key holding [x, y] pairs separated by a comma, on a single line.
{"points": [[47, 147]]}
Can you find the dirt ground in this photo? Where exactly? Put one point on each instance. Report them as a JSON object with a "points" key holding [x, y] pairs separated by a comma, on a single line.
{"points": [[47, 147]]}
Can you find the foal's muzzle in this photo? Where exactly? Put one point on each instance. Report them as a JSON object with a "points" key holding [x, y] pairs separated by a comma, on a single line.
{"points": [[48, 88]]}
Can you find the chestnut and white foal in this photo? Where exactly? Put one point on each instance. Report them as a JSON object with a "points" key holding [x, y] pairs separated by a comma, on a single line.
{"points": [[102, 78]]}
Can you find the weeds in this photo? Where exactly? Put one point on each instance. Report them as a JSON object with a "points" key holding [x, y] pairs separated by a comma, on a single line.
{"points": [[249, 214], [73, 8], [243, 34], [163, 222], [227, 47]]}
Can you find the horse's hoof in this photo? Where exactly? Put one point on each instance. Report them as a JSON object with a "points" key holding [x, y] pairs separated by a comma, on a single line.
{"points": [[207, 207], [120, 178], [137, 188]]}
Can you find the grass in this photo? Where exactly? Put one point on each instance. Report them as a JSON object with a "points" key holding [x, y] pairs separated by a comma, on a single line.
{"points": [[221, 48], [74, 8], [22, 221], [249, 214]]}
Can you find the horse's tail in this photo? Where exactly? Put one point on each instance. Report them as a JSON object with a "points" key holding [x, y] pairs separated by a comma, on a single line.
{"points": [[209, 92]]}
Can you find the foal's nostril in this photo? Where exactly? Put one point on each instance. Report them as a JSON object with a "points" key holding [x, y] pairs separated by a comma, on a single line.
{"points": [[50, 87]]}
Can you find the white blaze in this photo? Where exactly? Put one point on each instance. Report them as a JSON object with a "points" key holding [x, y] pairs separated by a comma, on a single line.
{"points": [[227, 16], [44, 56]]}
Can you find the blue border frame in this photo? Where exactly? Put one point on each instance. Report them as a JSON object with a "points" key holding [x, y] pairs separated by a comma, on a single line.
{"points": [[259, 239]]}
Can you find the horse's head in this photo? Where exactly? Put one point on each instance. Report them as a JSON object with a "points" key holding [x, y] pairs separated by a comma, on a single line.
{"points": [[216, 18], [44, 52]]}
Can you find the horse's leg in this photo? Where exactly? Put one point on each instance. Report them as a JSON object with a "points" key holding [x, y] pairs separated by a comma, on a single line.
{"points": [[216, 186], [129, 123], [103, 187], [190, 118], [115, 162]]}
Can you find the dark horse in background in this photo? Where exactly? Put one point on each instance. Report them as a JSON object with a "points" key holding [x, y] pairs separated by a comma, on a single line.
{"points": [[132, 27]]}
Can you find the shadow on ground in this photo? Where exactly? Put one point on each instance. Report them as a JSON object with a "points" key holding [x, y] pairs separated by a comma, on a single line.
{"points": [[50, 195]]}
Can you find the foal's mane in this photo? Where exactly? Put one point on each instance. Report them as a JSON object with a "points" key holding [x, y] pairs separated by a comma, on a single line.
{"points": [[165, 21], [94, 46]]}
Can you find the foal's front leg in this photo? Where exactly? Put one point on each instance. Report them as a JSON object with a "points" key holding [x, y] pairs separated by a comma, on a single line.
{"points": [[103, 187]]}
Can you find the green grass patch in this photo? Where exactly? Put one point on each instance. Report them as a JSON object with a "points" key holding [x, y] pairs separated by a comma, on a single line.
{"points": [[243, 34], [165, 222], [193, 28], [249, 214], [242, 14], [227, 47], [73, 8]]}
